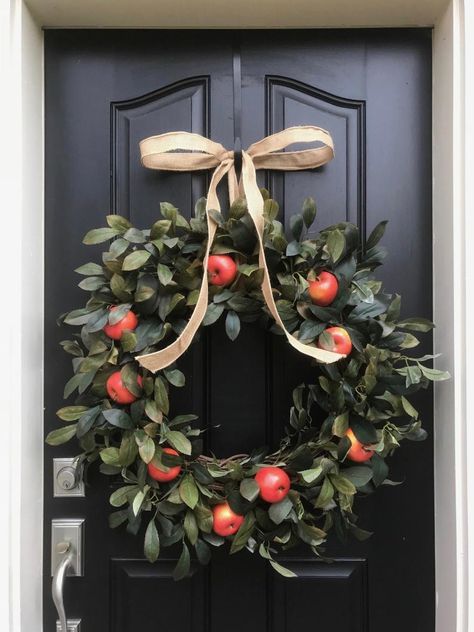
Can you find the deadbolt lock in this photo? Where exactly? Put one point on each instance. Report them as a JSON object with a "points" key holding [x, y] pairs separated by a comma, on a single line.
{"points": [[67, 478]]}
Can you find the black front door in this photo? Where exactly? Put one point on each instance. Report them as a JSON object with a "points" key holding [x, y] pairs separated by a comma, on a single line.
{"points": [[105, 91]]}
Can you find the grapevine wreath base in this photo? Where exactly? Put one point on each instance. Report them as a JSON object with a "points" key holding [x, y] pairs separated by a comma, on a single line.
{"points": [[341, 429]]}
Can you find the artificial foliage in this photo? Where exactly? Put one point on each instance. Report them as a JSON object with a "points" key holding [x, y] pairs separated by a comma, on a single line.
{"points": [[156, 274]]}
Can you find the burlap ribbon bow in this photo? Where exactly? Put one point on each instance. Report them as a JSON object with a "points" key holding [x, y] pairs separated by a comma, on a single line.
{"points": [[184, 151]]}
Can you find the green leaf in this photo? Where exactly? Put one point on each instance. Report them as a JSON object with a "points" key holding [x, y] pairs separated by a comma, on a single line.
{"points": [[293, 249], [311, 475], [118, 247], [160, 228], [212, 314], [72, 384], [161, 396], [296, 226], [190, 527], [188, 491], [364, 430], [71, 413], [147, 449], [342, 484], [376, 235], [179, 442], [240, 539], [232, 325], [285, 572], [128, 450], [110, 456], [380, 469], [118, 313], [279, 511], [143, 293], [99, 235], [183, 565], [119, 287], [416, 324], [249, 489], [310, 535], [135, 260], [223, 296], [409, 342], [118, 418], [325, 495], [326, 341], [270, 209], [129, 376], [359, 475], [90, 284], [151, 546], [309, 211], [118, 222], [336, 244], [434, 374], [164, 274], [117, 518], [134, 236], [128, 341], [341, 424], [87, 420], [61, 435], [138, 502], [90, 269], [153, 412], [204, 518], [393, 311], [203, 552], [175, 377], [120, 496], [409, 409], [79, 316]]}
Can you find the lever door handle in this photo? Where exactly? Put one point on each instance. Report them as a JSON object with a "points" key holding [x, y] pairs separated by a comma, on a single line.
{"points": [[64, 549]]}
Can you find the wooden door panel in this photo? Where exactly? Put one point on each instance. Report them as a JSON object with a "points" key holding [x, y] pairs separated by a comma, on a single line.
{"points": [[341, 183], [297, 604], [145, 596], [181, 106]]}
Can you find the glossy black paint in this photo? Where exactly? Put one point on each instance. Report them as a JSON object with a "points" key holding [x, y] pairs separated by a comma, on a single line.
{"points": [[105, 90]]}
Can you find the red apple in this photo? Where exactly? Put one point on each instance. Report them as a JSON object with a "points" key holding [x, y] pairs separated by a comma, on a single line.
{"points": [[222, 270], [128, 323], [161, 475], [117, 390], [357, 452], [341, 339], [323, 290], [226, 522], [274, 483]]}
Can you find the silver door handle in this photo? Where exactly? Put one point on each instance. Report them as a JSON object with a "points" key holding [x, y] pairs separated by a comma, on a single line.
{"points": [[64, 549]]}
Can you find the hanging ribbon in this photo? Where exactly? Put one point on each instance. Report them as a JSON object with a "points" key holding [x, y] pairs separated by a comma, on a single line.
{"points": [[184, 151]]}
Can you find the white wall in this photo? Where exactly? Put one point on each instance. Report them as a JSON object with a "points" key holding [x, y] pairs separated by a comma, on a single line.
{"points": [[21, 366], [449, 271]]}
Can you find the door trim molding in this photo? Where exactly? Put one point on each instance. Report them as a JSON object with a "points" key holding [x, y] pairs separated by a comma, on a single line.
{"points": [[21, 177]]}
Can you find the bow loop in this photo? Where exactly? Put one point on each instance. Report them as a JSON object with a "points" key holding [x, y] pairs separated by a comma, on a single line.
{"points": [[185, 151]]}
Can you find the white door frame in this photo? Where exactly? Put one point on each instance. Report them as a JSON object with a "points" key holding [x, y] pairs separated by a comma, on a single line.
{"points": [[21, 180]]}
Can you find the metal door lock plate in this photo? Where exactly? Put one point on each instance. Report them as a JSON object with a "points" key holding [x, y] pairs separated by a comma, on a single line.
{"points": [[67, 478], [73, 625], [69, 530]]}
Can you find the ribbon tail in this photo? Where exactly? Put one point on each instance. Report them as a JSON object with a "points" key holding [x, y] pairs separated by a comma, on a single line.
{"points": [[255, 208], [167, 356]]}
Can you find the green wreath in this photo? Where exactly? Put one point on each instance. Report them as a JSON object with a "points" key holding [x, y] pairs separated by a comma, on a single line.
{"points": [[142, 294]]}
